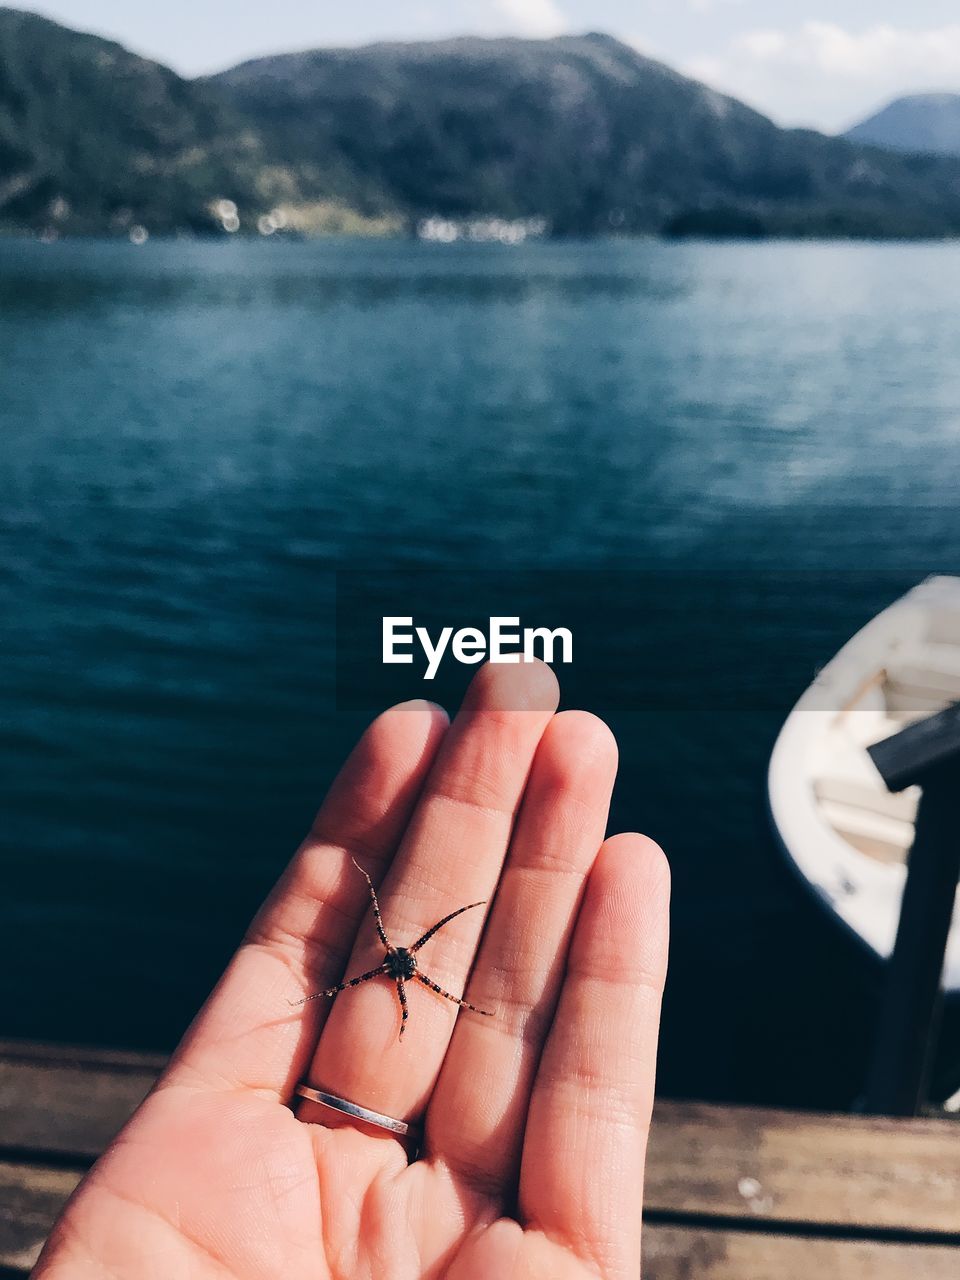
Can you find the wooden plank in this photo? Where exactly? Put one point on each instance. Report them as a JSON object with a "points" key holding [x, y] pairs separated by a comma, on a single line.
{"points": [[782, 1167], [31, 1196], [705, 1161], [68, 1103], [687, 1253], [81, 1055]]}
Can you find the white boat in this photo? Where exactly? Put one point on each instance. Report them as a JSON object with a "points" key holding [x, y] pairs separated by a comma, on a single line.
{"points": [[847, 835]]}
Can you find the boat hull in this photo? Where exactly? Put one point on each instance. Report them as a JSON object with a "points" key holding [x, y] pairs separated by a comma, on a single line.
{"points": [[846, 836]]}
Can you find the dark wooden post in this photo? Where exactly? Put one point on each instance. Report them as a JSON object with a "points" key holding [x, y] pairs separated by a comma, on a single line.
{"points": [[926, 753]]}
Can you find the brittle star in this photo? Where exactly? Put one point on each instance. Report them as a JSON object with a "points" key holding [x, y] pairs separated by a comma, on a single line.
{"points": [[400, 963]]}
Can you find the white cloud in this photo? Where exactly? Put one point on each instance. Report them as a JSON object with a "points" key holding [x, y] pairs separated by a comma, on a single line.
{"points": [[708, 6], [820, 73], [764, 44], [533, 17]]}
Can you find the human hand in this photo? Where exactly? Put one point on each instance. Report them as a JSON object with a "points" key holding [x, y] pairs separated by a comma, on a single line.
{"points": [[535, 1119]]}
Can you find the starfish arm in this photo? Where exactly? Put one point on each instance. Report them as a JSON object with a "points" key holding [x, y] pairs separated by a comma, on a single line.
{"points": [[350, 982], [440, 923], [381, 932], [405, 1012], [464, 1004]]}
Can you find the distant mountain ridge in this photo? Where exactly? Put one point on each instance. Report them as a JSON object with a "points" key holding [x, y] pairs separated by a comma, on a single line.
{"points": [[100, 136], [920, 122], [581, 131]]}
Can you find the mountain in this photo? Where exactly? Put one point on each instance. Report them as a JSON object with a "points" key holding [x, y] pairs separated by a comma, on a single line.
{"points": [[927, 122], [583, 132], [101, 137]]}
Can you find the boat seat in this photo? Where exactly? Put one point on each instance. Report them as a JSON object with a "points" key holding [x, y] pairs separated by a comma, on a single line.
{"points": [[916, 704], [843, 772], [901, 805], [886, 839], [924, 678], [864, 728]]}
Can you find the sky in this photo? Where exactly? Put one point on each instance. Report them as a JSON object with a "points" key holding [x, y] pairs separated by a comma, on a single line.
{"points": [[825, 63]]}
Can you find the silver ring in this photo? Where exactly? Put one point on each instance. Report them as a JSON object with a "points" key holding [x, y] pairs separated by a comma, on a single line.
{"points": [[399, 1127]]}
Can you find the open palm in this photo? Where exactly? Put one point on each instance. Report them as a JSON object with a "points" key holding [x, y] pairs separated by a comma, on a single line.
{"points": [[534, 1119]]}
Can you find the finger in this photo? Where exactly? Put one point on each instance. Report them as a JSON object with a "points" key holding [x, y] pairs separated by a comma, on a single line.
{"points": [[581, 1177], [451, 855], [477, 1113], [247, 1034]]}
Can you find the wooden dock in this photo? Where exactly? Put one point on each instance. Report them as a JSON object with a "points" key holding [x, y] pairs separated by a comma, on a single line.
{"points": [[732, 1193]]}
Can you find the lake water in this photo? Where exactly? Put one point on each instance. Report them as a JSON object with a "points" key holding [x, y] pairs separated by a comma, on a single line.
{"points": [[736, 452]]}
